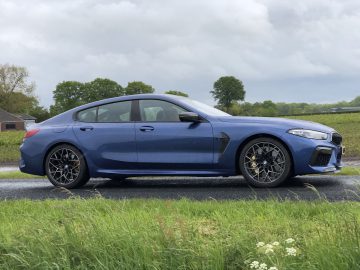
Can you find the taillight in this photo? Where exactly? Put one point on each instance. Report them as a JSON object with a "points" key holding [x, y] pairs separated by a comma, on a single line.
{"points": [[31, 133]]}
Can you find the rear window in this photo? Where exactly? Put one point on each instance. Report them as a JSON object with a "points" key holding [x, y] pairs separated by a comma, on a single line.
{"points": [[116, 112], [88, 115]]}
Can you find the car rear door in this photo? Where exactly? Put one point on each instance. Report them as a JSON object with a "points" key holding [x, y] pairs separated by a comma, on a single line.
{"points": [[166, 143], [106, 134]]}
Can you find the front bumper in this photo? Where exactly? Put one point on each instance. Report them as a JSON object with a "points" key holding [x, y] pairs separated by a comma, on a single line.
{"points": [[315, 156], [326, 159]]}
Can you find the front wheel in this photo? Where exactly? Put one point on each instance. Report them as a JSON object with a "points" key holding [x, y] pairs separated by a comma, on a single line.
{"points": [[265, 162], [66, 167]]}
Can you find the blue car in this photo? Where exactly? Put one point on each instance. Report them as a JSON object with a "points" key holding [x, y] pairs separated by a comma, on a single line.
{"points": [[151, 134]]}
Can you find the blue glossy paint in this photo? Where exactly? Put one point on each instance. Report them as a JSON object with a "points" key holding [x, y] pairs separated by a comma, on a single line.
{"points": [[169, 148]]}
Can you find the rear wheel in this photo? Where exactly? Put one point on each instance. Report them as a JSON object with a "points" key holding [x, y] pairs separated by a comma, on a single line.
{"points": [[265, 162], [66, 167]]}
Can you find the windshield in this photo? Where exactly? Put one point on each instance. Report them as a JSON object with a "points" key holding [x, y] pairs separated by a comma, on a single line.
{"points": [[205, 108]]}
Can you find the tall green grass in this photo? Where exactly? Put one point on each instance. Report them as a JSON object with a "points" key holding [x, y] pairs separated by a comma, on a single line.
{"points": [[154, 234]]}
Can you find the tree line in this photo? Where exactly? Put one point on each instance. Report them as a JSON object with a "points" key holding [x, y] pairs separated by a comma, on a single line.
{"points": [[17, 96]]}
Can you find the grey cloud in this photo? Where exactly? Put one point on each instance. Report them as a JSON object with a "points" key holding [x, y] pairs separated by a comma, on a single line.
{"points": [[277, 47]]}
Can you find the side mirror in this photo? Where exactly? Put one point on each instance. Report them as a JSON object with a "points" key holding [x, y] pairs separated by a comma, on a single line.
{"points": [[189, 117]]}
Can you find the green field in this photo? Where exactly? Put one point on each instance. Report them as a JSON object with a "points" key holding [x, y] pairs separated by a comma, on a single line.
{"points": [[9, 145], [347, 124], [154, 234]]}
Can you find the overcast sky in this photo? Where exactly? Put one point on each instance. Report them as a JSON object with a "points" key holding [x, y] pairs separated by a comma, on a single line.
{"points": [[283, 50]]}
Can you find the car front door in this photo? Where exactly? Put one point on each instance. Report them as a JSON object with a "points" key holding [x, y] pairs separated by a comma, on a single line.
{"points": [[166, 143], [107, 136]]}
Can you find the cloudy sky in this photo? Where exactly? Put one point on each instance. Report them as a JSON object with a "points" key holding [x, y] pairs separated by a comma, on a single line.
{"points": [[283, 50]]}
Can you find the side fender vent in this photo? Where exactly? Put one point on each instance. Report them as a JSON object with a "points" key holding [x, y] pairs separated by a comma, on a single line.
{"points": [[224, 142]]}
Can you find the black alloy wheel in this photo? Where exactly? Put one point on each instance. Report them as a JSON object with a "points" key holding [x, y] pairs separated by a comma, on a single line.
{"points": [[265, 162], [66, 167]]}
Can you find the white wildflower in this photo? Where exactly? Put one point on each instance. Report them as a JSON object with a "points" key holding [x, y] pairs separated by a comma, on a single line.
{"points": [[291, 251], [269, 246], [254, 265], [263, 266], [273, 268], [289, 241], [275, 243], [269, 250], [260, 244]]}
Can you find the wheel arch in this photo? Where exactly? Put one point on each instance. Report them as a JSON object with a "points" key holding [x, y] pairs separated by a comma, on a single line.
{"points": [[256, 136], [60, 143]]}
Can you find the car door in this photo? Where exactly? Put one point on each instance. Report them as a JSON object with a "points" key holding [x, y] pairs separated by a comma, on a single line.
{"points": [[166, 143], [107, 135]]}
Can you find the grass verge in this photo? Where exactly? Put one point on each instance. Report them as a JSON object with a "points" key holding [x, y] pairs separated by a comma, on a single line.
{"points": [[154, 234], [9, 145], [17, 175], [349, 171]]}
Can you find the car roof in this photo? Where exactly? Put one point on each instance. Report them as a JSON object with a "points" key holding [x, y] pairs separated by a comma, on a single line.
{"points": [[69, 115], [130, 97]]}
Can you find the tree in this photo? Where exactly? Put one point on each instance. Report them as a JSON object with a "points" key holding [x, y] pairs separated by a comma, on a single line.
{"points": [[137, 87], [14, 79], [355, 101], [176, 93], [101, 89], [227, 90], [18, 103], [39, 112], [67, 95]]}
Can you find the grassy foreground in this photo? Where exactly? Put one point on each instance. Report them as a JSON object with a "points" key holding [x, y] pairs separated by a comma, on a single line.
{"points": [[153, 234]]}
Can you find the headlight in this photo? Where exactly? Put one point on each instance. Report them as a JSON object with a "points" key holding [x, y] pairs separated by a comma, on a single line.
{"points": [[310, 134]]}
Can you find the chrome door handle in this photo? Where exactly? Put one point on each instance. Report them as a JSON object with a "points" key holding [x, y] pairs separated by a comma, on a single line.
{"points": [[146, 128], [86, 128]]}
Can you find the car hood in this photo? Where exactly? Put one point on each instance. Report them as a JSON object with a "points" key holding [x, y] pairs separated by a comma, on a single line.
{"points": [[280, 122]]}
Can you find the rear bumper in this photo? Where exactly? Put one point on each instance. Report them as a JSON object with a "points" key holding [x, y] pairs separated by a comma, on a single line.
{"points": [[31, 160]]}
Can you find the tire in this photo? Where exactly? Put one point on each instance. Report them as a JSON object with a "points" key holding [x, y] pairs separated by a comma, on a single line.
{"points": [[66, 167], [265, 162]]}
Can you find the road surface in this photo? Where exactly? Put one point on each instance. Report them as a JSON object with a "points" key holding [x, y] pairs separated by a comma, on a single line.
{"points": [[333, 188]]}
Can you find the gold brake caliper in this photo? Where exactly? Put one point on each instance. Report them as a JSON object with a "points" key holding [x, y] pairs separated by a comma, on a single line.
{"points": [[254, 166]]}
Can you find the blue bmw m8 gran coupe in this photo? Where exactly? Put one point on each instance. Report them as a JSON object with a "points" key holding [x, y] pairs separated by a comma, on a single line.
{"points": [[152, 134]]}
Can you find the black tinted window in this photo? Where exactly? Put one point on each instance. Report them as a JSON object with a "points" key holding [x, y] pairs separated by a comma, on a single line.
{"points": [[115, 112], [10, 126], [88, 115]]}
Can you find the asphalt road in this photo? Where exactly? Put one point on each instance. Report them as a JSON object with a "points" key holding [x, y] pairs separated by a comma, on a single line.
{"points": [[333, 188]]}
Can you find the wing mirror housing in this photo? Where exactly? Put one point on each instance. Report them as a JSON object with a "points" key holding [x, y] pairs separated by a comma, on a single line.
{"points": [[189, 117]]}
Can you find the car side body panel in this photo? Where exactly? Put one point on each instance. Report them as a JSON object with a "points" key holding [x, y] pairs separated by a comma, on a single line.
{"points": [[207, 148]]}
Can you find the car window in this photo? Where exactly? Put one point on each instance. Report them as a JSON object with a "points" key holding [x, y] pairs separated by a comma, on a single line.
{"points": [[88, 115], [159, 111], [115, 112]]}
